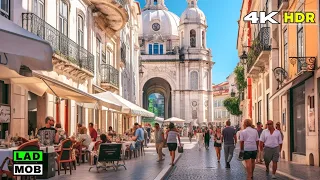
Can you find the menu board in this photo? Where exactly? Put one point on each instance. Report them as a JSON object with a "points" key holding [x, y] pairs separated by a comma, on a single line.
{"points": [[109, 152]]}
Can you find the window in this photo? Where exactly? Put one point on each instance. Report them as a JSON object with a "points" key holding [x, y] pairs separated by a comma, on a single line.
{"points": [[194, 80], [192, 3], [63, 17], [4, 93], [155, 2], [259, 111], [155, 48], [193, 38], [285, 50], [150, 49], [80, 30], [161, 48], [203, 39], [38, 8], [4, 8], [300, 50], [98, 50]]}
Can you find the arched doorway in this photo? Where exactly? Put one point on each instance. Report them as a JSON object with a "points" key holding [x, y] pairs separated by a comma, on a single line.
{"points": [[157, 97]]}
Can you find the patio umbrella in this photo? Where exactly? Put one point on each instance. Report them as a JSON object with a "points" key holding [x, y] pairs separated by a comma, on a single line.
{"points": [[174, 120]]}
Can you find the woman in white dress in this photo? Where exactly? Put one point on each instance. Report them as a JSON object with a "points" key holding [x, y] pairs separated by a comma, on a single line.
{"points": [[200, 138]]}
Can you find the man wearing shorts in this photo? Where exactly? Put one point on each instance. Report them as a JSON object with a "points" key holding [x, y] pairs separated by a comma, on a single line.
{"points": [[272, 141]]}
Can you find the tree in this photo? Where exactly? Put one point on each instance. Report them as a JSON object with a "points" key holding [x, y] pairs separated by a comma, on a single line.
{"points": [[240, 79], [232, 105]]}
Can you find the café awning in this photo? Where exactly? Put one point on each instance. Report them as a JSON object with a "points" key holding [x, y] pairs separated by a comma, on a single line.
{"points": [[39, 83], [127, 106], [20, 47], [174, 120]]}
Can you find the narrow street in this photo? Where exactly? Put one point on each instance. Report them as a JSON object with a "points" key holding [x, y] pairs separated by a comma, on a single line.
{"points": [[195, 164]]}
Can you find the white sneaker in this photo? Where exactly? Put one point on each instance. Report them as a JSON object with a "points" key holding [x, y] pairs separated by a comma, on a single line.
{"points": [[273, 176]]}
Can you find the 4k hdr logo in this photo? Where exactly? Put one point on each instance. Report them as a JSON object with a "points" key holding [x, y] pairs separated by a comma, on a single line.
{"points": [[288, 17]]}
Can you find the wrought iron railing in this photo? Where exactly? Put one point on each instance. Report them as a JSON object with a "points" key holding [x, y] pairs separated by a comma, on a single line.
{"points": [[123, 52], [103, 58], [303, 63], [280, 2], [61, 44], [109, 74], [260, 43]]}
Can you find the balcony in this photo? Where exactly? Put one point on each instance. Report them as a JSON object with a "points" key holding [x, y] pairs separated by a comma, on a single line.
{"points": [[69, 56], [109, 77], [302, 64], [283, 4], [258, 55], [123, 53], [110, 12]]}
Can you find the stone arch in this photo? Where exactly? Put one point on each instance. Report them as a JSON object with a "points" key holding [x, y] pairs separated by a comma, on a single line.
{"points": [[311, 159], [167, 77], [193, 38], [161, 86]]}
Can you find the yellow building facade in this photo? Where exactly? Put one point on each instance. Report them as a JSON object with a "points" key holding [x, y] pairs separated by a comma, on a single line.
{"points": [[282, 63]]}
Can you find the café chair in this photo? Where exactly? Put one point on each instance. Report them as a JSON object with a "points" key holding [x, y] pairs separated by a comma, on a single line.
{"points": [[30, 145], [9, 173], [94, 152], [65, 156]]}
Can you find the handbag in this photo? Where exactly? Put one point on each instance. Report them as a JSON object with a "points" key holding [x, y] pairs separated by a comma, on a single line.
{"points": [[240, 157], [180, 149]]}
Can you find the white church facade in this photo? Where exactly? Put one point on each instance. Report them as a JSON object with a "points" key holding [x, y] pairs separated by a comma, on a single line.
{"points": [[175, 61]]}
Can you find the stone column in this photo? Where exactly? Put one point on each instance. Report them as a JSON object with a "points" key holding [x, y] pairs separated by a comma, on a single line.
{"points": [[186, 69], [210, 106]]}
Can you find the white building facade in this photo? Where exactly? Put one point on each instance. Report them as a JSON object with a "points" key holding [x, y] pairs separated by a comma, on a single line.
{"points": [[86, 42], [175, 61]]}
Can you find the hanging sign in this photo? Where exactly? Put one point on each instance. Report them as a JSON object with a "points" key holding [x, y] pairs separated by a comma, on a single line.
{"points": [[4, 114]]}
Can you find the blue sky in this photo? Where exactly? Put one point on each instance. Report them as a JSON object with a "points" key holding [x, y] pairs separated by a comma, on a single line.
{"points": [[222, 17]]}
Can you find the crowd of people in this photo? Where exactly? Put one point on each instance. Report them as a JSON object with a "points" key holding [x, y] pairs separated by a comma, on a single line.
{"points": [[257, 144]]}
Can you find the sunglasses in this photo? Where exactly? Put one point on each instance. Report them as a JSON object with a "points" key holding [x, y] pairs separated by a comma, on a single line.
{"points": [[269, 124]]}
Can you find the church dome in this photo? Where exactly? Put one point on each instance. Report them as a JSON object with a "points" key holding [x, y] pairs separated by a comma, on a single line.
{"points": [[159, 21], [193, 15]]}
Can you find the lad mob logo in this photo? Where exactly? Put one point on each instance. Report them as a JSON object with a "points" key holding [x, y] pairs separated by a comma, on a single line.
{"points": [[288, 17]]}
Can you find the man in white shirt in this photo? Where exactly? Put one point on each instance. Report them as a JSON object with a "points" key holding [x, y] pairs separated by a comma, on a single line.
{"points": [[272, 141], [249, 140]]}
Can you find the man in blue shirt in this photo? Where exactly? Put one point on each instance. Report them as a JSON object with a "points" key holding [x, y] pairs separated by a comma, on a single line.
{"points": [[138, 135]]}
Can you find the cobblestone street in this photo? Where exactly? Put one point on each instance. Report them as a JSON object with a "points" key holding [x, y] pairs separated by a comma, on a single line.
{"points": [[195, 164]]}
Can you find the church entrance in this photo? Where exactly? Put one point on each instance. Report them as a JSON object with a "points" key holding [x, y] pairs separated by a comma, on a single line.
{"points": [[157, 97]]}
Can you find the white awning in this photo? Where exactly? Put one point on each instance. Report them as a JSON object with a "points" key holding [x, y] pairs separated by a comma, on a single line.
{"points": [[39, 84], [174, 119], [20, 47], [127, 106]]}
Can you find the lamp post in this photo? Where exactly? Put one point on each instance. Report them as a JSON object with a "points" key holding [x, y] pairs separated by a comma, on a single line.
{"points": [[243, 58]]}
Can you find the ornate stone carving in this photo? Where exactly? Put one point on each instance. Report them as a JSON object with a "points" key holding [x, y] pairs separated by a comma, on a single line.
{"points": [[170, 71]]}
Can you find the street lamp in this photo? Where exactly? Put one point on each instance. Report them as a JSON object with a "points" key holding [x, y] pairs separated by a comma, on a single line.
{"points": [[243, 58]]}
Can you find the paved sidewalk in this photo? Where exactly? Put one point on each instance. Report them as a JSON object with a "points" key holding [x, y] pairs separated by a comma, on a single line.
{"points": [[142, 168], [203, 165], [297, 171]]}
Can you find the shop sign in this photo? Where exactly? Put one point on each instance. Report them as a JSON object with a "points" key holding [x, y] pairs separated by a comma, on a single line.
{"points": [[4, 114]]}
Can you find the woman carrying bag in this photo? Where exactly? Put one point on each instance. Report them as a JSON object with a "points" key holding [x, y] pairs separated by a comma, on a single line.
{"points": [[172, 144]]}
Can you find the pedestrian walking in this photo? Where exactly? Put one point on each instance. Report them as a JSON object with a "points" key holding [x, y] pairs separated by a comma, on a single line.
{"points": [[200, 138], [159, 140], [217, 143], [259, 158], [271, 139], [249, 141], [207, 137], [172, 144], [230, 140], [190, 133]]}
